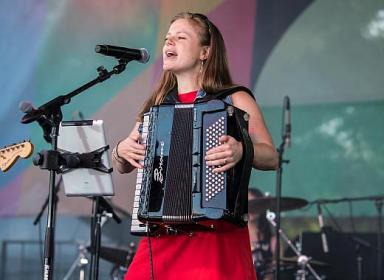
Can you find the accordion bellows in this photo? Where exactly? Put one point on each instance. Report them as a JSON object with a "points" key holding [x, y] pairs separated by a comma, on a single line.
{"points": [[175, 189]]}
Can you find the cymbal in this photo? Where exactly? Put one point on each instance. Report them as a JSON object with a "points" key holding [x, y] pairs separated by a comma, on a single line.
{"points": [[260, 204], [114, 255], [293, 260]]}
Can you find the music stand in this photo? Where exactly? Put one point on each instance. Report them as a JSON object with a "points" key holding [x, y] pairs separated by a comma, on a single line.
{"points": [[87, 173]]}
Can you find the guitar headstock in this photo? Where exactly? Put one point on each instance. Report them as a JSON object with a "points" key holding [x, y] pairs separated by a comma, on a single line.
{"points": [[9, 154]]}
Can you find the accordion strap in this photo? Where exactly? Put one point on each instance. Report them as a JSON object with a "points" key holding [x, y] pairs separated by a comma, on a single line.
{"points": [[245, 166], [226, 92], [171, 97]]}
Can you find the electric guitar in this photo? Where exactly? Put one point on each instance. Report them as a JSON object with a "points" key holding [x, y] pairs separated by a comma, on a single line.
{"points": [[9, 154]]}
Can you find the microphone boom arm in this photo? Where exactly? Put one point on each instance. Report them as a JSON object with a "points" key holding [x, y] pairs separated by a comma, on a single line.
{"points": [[53, 106], [52, 111]]}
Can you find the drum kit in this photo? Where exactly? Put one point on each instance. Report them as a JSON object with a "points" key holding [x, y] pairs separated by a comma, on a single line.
{"points": [[299, 267], [118, 257], [121, 259]]}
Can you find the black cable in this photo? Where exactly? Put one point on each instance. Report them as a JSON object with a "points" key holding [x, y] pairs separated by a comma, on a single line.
{"points": [[333, 219], [351, 217], [150, 255]]}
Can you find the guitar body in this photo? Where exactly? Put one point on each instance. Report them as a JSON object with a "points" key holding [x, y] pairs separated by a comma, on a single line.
{"points": [[10, 154]]}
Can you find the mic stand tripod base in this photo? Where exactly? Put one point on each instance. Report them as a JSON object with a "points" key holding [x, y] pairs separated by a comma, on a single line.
{"points": [[81, 262], [302, 260]]}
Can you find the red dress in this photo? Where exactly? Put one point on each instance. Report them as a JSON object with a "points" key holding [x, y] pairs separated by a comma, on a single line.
{"points": [[223, 254]]}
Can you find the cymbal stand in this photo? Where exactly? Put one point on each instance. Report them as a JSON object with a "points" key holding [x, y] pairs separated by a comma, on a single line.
{"points": [[102, 211], [82, 261], [379, 200], [302, 260], [118, 270], [359, 261]]}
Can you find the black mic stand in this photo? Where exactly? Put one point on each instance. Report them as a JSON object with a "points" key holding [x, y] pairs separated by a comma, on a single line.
{"points": [[57, 189], [52, 111], [286, 130], [101, 207], [379, 207]]}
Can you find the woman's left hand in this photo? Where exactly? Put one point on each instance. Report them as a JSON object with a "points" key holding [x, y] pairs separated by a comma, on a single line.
{"points": [[226, 155]]}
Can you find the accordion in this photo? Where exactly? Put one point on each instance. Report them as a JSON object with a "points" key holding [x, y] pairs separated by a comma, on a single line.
{"points": [[176, 190]]}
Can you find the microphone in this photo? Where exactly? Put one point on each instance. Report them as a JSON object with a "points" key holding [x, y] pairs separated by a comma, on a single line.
{"points": [[33, 114], [324, 241], [140, 55], [287, 122]]}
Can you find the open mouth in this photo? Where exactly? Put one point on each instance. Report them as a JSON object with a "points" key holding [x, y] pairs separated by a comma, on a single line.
{"points": [[170, 54]]}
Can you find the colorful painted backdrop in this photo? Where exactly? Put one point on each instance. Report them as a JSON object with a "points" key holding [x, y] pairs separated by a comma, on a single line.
{"points": [[325, 55]]}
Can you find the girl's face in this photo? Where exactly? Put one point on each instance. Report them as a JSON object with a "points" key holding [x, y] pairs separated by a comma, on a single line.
{"points": [[182, 51]]}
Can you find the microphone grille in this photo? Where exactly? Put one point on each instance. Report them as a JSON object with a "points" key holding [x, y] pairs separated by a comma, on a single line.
{"points": [[98, 48], [144, 55], [25, 107]]}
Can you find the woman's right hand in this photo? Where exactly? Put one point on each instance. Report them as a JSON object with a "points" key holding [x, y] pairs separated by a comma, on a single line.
{"points": [[131, 150]]}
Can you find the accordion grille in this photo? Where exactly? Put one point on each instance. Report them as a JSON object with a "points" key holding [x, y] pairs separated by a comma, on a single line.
{"points": [[178, 193]]}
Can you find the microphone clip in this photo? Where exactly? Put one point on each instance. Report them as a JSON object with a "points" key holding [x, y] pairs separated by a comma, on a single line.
{"points": [[121, 66]]}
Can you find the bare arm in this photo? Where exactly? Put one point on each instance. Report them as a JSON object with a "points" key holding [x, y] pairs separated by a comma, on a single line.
{"points": [[127, 154], [265, 155]]}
